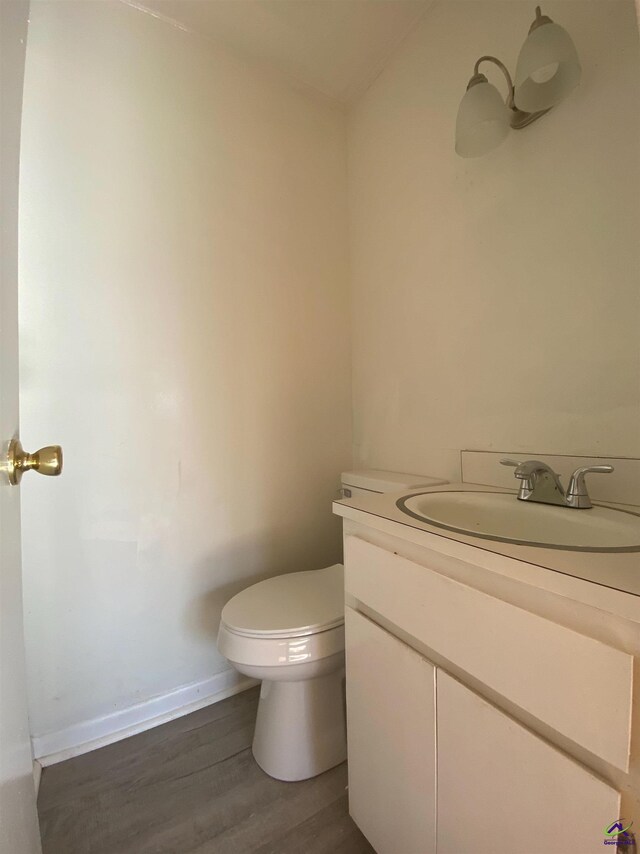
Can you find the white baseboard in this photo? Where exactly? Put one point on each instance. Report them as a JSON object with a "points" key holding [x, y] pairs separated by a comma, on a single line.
{"points": [[98, 732]]}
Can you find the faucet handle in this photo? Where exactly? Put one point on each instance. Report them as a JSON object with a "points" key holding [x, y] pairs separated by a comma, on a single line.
{"points": [[526, 469], [577, 495], [524, 472]]}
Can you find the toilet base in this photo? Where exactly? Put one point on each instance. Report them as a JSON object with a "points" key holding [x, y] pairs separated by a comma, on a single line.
{"points": [[301, 727]]}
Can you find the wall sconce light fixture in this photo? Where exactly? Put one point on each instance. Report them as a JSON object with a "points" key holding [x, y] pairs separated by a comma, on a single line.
{"points": [[548, 69]]}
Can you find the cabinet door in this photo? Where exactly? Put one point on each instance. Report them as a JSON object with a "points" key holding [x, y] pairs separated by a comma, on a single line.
{"points": [[502, 788], [391, 739]]}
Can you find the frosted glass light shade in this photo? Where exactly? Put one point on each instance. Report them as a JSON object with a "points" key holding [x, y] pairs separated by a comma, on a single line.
{"points": [[483, 121], [548, 68]]}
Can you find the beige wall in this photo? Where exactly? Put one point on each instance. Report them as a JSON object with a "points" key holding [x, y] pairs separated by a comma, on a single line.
{"points": [[497, 301], [184, 337]]}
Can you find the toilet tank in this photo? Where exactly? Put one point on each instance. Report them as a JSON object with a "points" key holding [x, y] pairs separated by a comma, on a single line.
{"points": [[367, 481]]}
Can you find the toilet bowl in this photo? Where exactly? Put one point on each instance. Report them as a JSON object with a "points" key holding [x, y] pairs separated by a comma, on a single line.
{"points": [[288, 631]]}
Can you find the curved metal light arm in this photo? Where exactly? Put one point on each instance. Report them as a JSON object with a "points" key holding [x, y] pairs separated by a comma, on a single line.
{"points": [[504, 70], [519, 118]]}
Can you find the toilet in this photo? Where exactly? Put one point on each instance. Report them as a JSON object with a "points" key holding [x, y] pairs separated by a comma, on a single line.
{"points": [[288, 632]]}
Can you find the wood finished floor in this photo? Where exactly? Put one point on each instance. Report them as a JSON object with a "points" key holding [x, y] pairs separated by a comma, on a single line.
{"points": [[192, 786]]}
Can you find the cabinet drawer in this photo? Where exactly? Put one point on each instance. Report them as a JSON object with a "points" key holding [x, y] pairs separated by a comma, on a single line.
{"points": [[579, 686]]}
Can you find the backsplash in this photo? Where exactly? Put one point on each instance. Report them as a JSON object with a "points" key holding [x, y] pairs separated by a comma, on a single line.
{"points": [[622, 486]]}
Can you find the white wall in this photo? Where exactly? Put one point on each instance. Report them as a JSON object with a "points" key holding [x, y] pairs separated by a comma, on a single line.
{"points": [[496, 301], [184, 337]]}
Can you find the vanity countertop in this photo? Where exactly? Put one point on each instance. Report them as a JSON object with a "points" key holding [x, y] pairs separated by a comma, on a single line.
{"points": [[608, 581]]}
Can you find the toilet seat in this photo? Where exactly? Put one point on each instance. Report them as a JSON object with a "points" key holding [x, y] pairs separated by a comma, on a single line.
{"points": [[280, 652], [286, 620], [293, 605]]}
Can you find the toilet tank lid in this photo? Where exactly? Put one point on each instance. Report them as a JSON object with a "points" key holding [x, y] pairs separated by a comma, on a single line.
{"points": [[387, 481]]}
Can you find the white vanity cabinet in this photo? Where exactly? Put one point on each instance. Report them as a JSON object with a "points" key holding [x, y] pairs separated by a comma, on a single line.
{"points": [[392, 739], [435, 767]]}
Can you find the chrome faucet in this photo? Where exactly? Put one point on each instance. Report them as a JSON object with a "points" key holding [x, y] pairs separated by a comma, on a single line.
{"points": [[539, 482]]}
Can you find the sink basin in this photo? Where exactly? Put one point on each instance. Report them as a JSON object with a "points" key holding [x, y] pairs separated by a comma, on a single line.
{"points": [[500, 516]]}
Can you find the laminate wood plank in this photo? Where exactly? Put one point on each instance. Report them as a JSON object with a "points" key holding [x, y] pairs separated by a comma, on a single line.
{"points": [[275, 809], [220, 730], [192, 787], [330, 829]]}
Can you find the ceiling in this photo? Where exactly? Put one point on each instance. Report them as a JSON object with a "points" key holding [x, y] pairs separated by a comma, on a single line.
{"points": [[337, 47]]}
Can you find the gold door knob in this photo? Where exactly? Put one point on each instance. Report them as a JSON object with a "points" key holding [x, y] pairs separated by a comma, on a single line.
{"points": [[45, 461]]}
